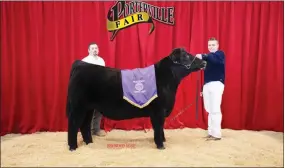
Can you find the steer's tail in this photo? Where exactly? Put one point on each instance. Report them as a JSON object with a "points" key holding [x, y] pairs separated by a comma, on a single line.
{"points": [[73, 68], [67, 107]]}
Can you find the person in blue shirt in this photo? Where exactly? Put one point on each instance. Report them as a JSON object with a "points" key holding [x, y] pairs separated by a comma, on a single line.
{"points": [[213, 88]]}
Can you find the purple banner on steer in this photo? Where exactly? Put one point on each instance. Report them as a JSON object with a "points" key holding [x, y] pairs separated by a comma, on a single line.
{"points": [[139, 86]]}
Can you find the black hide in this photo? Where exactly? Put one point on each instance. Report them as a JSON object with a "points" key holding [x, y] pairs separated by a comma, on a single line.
{"points": [[96, 87]]}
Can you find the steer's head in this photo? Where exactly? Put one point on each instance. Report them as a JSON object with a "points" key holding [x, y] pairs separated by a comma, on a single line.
{"points": [[183, 63]]}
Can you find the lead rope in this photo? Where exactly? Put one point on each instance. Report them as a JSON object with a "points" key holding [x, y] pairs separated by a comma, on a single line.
{"points": [[172, 119]]}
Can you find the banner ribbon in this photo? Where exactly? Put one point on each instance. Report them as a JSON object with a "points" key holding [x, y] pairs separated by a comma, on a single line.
{"points": [[136, 18]]}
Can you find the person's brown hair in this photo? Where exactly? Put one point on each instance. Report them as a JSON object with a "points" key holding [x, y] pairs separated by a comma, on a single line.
{"points": [[213, 39], [91, 44]]}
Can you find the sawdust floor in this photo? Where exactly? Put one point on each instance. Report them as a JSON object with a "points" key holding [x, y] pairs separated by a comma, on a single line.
{"points": [[184, 147]]}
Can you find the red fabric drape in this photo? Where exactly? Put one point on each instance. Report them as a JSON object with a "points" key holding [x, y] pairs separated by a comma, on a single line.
{"points": [[40, 40]]}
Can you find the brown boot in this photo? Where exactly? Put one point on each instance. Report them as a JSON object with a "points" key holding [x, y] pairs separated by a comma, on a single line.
{"points": [[213, 138], [208, 136]]}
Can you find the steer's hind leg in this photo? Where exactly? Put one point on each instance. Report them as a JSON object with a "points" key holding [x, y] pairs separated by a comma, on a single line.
{"points": [[86, 128], [72, 133]]}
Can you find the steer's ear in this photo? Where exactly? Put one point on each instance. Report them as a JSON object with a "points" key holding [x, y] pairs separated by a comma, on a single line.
{"points": [[175, 54], [177, 51]]}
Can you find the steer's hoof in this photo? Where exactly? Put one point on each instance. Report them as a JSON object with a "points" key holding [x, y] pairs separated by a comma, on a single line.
{"points": [[160, 147], [72, 149], [88, 142]]}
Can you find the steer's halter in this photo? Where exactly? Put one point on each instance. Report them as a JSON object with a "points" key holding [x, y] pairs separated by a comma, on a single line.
{"points": [[187, 66]]}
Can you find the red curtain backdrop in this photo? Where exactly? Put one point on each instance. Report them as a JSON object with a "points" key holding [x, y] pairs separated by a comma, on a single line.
{"points": [[40, 40]]}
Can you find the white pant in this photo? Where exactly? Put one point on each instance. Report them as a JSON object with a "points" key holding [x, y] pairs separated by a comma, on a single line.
{"points": [[212, 96]]}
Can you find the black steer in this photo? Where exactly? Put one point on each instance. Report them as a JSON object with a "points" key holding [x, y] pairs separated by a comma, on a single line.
{"points": [[97, 87]]}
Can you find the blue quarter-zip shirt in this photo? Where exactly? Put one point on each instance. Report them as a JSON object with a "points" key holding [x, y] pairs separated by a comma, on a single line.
{"points": [[215, 68]]}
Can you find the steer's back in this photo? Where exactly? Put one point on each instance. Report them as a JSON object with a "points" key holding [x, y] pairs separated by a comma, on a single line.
{"points": [[101, 88], [100, 82]]}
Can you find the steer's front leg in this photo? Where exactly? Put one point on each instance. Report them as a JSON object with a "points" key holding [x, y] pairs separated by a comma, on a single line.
{"points": [[157, 124], [163, 136]]}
